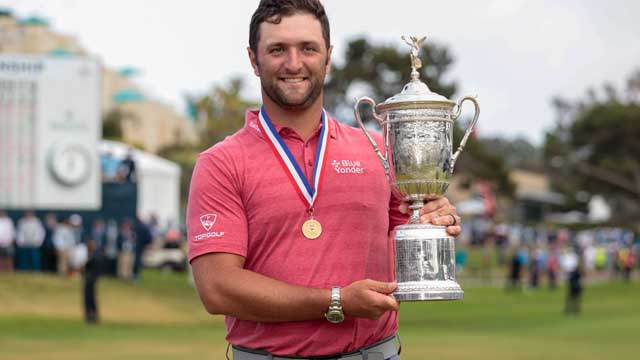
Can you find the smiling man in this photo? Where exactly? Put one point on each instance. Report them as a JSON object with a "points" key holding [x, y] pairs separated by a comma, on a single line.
{"points": [[289, 218]]}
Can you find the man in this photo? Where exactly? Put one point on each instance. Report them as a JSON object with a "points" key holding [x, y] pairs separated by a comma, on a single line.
{"points": [[99, 235], [111, 248], [48, 249], [295, 252], [127, 169], [7, 239], [79, 254], [91, 274], [64, 241], [144, 238], [29, 238], [127, 245], [109, 165]]}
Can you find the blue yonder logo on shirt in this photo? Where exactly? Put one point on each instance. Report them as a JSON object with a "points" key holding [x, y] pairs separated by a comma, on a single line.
{"points": [[347, 166]]}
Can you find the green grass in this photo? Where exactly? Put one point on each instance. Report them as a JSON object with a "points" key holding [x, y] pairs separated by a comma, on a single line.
{"points": [[162, 318], [492, 324]]}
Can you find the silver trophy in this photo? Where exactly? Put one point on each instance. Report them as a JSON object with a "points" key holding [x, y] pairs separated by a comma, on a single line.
{"points": [[417, 130]]}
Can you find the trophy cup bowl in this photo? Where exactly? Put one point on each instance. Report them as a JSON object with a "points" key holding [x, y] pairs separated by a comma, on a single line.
{"points": [[417, 130]]}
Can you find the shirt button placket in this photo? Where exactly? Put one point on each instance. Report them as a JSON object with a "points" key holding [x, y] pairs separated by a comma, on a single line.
{"points": [[309, 161]]}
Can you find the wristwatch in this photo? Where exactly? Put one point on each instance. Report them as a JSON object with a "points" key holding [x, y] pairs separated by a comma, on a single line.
{"points": [[334, 314]]}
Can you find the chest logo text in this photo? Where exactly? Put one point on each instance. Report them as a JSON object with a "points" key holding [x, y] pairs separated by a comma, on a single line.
{"points": [[347, 166]]}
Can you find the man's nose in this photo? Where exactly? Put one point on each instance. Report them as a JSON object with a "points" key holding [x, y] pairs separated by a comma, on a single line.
{"points": [[294, 61]]}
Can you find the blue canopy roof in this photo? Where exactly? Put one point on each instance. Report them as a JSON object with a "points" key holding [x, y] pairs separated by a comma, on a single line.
{"points": [[128, 71], [34, 20], [127, 95], [60, 52]]}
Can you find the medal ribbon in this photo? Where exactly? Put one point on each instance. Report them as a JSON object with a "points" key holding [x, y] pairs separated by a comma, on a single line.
{"points": [[307, 193]]}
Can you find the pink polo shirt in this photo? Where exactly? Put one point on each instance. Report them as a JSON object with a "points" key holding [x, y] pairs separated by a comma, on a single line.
{"points": [[242, 202]]}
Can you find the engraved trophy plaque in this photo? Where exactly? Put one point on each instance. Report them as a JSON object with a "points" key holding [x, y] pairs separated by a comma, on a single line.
{"points": [[417, 131]]}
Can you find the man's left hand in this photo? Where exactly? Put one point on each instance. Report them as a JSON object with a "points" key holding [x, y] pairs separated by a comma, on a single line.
{"points": [[437, 211]]}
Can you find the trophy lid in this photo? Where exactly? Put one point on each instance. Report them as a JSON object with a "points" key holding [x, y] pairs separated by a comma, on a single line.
{"points": [[414, 94]]}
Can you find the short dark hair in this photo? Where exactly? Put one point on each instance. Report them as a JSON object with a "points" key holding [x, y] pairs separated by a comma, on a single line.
{"points": [[272, 11]]}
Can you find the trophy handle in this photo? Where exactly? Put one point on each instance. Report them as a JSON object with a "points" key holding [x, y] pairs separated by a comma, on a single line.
{"points": [[463, 142], [367, 100]]}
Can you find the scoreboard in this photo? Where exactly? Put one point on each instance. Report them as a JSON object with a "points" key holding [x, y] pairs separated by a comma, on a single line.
{"points": [[50, 128]]}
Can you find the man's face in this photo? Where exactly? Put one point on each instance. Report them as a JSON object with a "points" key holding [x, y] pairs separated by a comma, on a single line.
{"points": [[292, 61]]}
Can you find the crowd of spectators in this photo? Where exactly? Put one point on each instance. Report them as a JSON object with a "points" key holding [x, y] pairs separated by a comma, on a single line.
{"points": [[65, 245], [528, 256], [533, 256], [539, 250]]}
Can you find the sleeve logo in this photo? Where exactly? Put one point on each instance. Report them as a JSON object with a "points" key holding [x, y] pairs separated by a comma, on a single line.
{"points": [[207, 221]]}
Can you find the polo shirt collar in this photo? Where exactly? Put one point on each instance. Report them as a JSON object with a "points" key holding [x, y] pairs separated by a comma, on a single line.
{"points": [[251, 116]]}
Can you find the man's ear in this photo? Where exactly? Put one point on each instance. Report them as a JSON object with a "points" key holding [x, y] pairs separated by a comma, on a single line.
{"points": [[254, 61], [328, 64]]}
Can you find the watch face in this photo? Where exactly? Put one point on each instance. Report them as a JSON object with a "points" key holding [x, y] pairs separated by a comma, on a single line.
{"points": [[335, 316], [70, 164]]}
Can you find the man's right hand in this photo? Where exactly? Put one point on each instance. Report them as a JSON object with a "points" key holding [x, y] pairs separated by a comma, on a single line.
{"points": [[368, 299]]}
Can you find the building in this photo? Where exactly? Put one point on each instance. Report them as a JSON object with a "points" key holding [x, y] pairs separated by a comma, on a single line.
{"points": [[534, 197], [147, 123]]}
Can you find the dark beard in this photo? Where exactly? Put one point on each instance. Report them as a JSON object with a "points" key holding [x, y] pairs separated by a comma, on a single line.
{"points": [[281, 100]]}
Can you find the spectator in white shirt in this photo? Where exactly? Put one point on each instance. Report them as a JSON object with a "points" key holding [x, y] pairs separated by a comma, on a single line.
{"points": [[7, 238], [29, 238], [64, 241]]}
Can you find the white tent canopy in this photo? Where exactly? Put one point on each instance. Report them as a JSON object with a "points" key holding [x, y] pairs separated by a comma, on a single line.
{"points": [[471, 207], [158, 182]]}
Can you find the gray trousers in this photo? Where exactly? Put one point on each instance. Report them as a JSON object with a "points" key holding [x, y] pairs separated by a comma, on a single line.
{"points": [[386, 349]]}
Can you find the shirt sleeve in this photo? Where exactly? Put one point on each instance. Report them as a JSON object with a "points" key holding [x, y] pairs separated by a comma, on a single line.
{"points": [[216, 217]]}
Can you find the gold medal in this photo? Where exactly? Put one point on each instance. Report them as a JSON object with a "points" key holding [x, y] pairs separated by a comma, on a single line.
{"points": [[311, 229]]}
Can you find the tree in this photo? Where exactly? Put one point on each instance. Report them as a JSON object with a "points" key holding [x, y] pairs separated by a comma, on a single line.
{"points": [[481, 162], [518, 153], [219, 113], [112, 124], [383, 70], [185, 156], [222, 111], [594, 149]]}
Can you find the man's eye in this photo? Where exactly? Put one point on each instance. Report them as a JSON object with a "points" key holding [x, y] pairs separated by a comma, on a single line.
{"points": [[309, 49], [275, 50]]}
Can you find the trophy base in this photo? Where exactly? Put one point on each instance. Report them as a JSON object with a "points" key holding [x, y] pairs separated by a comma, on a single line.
{"points": [[425, 264], [429, 291]]}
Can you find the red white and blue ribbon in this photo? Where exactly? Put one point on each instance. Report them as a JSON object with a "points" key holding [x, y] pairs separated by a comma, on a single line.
{"points": [[308, 192]]}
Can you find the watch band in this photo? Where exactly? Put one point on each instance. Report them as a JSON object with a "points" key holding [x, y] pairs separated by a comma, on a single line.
{"points": [[335, 294], [334, 314]]}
